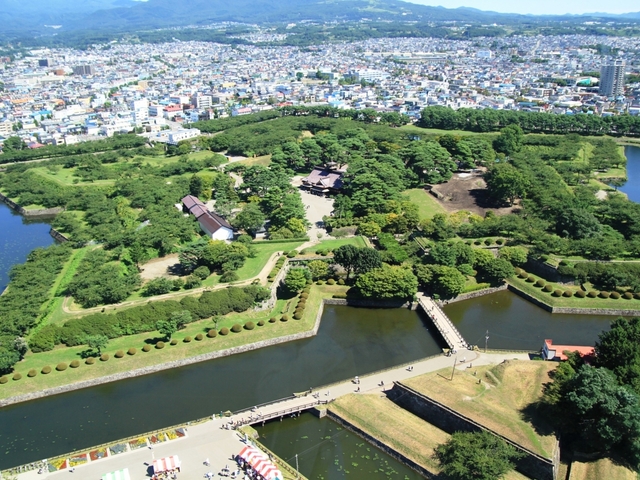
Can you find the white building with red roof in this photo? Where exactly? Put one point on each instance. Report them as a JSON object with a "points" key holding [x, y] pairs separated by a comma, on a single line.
{"points": [[216, 227]]}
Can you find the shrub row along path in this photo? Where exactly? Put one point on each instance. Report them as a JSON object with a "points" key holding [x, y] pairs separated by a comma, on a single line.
{"points": [[262, 276], [211, 440]]}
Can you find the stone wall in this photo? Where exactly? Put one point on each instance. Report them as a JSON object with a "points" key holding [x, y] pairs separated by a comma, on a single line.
{"points": [[378, 443], [58, 236], [476, 294], [532, 465], [30, 213]]}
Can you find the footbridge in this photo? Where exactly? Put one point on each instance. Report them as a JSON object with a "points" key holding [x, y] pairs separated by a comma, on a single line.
{"points": [[449, 333]]}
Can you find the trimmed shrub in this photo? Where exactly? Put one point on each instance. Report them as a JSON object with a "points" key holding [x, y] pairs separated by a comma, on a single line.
{"points": [[499, 241], [299, 311], [339, 295], [47, 369], [284, 253], [477, 242], [540, 283], [213, 333], [320, 282], [173, 342], [592, 294], [88, 361], [249, 326], [199, 337], [202, 272], [119, 354], [304, 295], [17, 376], [160, 345], [557, 293], [224, 331], [331, 281], [273, 320], [523, 274], [297, 316], [563, 263], [636, 296], [146, 348], [104, 357], [74, 363], [261, 323], [32, 373], [580, 294], [132, 351], [567, 293], [544, 258], [292, 254], [615, 295], [604, 294], [548, 288], [3, 379], [229, 276], [284, 318], [530, 279], [518, 270], [627, 295], [488, 242], [236, 328], [341, 281], [187, 339], [61, 367]]}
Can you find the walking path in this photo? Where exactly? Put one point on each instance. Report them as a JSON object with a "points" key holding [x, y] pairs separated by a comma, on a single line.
{"points": [[213, 441], [450, 333]]}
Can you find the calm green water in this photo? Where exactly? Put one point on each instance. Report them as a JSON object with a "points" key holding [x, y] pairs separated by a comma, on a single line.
{"points": [[18, 236], [350, 341], [326, 451], [632, 187], [514, 323]]}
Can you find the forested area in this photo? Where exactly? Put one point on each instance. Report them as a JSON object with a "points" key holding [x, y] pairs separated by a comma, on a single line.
{"points": [[488, 120]]}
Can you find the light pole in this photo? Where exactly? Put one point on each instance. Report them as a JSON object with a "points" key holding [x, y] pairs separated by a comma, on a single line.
{"points": [[486, 341]]}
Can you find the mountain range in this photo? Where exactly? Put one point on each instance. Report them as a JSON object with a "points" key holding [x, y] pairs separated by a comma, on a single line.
{"points": [[19, 18]]}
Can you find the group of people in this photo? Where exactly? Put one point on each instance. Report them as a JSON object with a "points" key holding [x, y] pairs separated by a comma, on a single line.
{"points": [[250, 473], [169, 474]]}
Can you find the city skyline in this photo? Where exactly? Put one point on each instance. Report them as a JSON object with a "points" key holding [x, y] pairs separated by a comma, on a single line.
{"points": [[542, 7]]}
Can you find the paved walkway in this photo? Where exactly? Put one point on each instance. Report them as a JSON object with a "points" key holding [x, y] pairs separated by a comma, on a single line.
{"points": [[450, 333], [211, 440]]}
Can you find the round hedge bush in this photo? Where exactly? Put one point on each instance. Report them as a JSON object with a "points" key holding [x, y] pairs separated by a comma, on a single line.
{"points": [[557, 293], [61, 367], [104, 357], [548, 288], [531, 279], [331, 281], [488, 242], [636, 296], [132, 351], [604, 294], [160, 345], [3, 379], [88, 361], [563, 263], [119, 354], [32, 373], [284, 318], [628, 295], [477, 242], [224, 331], [341, 281], [146, 348], [273, 320], [567, 293], [47, 369], [249, 326], [213, 333], [187, 339], [580, 294], [17, 376], [261, 323], [173, 342], [544, 258], [540, 283], [199, 337], [523, 274], [517, 270], [592, 294], [304, 295], [320, 282], [297, 316], [307, 289], [74, 363], [615, 295], [236, 328], [499, 241]]}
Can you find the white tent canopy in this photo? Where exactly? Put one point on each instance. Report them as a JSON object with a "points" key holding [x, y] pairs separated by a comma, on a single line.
{"points": [[119, 475], [166, 464]]}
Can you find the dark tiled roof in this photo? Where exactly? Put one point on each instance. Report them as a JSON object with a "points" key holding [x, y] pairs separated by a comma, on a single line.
{"points": [[325, 178], [210, 220], [190, 201]]}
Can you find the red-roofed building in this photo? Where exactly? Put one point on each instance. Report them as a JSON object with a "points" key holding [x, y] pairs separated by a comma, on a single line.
{"points": [[216, 227], [557, 352]]}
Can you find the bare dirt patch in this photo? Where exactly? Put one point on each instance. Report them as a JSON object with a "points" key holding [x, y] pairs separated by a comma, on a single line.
{"points": [[161, 267], [467, 192]]}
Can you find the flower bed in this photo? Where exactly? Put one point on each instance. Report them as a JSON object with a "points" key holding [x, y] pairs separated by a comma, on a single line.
{"points": [[159, 438], [181, 432], [118, 448], [60, 464], [78, 460], [138, 443], [98, 454]]}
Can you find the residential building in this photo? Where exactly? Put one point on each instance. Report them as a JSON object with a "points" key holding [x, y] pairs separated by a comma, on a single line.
{"points": [[612, 79], [84, 70], [180, 135]]}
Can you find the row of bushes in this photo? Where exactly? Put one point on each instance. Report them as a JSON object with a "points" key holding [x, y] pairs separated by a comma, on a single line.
{"points": [[143, 318], [331, 281], [487, 241], [274, 273]]}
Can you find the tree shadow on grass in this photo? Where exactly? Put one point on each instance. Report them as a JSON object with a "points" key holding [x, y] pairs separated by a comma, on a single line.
{"points": [[154, 340]]}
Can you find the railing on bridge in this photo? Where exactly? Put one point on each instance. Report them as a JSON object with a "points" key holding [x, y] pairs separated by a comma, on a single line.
{"points": [[422, 300], [252, 420]]}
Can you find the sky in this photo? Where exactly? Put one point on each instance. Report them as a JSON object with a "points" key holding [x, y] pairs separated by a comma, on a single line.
{"points": [[550, 7]]}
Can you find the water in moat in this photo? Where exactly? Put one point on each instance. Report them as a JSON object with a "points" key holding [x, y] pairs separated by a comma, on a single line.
{"points": [[327, 451], [632, 187]]}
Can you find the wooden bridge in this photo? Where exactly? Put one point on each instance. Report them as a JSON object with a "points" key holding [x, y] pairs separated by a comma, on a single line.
{"points": [[449, 333]]}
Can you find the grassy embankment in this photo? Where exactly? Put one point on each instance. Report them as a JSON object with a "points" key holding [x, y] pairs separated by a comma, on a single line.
{"points": [[428, 206], [600, 470], [169, 353], [357, 241]]}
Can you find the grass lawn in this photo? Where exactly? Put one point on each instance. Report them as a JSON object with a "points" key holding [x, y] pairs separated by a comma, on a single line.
{"points": [[572, 302], [392, 425], [253, 266], [357, 241], [497, 403], [263, 161], [435, 131], [66, 177], [428, 206], [600, 470]]}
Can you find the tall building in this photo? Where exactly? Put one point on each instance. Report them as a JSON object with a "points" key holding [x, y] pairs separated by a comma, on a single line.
{"points": [[140, 109], [84, 70], [612, 78], [45, 62]]}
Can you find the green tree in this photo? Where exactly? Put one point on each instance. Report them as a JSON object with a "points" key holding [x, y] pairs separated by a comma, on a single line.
{"points": [[618, 349], [318, 269], [388, 282], [498, 270], [346, 257], [515, 255], [369, 229], [366, 260], [166, 327], [505, 183], [510, 140], [296, 279], [447, 281], [475, 456], [96, 342], [249, 219]]}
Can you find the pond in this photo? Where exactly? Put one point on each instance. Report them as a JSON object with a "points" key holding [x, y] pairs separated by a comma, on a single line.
{"points": [[632, 187]]}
